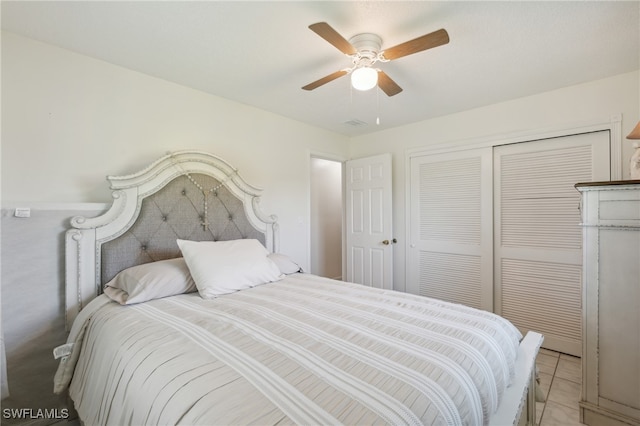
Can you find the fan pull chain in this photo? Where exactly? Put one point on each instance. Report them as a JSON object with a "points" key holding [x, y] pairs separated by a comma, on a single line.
{"points": [[378, 105]]}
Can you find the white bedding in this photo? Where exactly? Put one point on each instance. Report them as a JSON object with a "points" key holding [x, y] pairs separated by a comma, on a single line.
{"points": [[303, 350]]}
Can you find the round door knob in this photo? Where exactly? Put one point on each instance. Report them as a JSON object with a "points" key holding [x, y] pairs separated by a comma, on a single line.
{"points": [[385, 242]]}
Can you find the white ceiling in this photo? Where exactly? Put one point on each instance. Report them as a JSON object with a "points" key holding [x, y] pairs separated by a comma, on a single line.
{"points": [[261, 53]]}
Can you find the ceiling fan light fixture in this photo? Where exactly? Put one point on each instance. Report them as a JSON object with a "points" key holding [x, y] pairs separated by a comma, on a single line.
{"points": [[364, 51], [364, 78]]}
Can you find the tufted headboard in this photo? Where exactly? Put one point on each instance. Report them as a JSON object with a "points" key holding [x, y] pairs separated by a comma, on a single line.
{"points": [[189, 195]]}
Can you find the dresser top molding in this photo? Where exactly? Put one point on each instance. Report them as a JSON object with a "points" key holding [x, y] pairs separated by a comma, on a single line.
{"points": [[610, 183]]}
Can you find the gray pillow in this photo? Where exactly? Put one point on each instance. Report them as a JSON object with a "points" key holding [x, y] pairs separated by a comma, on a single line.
{"points": [[150, 281]]}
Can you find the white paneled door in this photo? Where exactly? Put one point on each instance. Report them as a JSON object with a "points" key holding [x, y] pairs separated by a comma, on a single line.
{"points": [[369, 236]]}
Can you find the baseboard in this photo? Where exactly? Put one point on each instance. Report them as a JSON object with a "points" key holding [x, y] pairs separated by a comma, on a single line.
{"points": [[593, 415]]}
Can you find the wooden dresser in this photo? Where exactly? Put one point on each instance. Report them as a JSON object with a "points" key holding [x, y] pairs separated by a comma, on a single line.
{"points": [[611, 303]]}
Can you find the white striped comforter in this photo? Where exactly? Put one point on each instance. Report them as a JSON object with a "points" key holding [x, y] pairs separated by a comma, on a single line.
{"points": [[304, 350]]}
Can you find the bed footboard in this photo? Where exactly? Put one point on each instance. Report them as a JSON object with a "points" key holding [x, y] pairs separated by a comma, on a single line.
{"points": [[518, 405]]}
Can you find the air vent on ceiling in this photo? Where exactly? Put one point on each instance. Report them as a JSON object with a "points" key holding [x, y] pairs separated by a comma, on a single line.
{"points": [[355, 123]]}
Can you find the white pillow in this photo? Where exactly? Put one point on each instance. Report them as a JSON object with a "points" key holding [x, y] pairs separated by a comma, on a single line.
{"points": [[150, 281], [223, 267], [285, 264]]}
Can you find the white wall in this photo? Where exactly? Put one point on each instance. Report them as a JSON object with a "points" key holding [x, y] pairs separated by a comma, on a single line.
{"points": [[589, 103], [69, 120]]}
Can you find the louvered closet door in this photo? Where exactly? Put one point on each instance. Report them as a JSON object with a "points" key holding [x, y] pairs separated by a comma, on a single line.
{"points": [[538, 255], [450, 243]]}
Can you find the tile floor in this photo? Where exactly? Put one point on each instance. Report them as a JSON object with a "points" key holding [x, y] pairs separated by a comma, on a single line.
{"points": [[560, 378]]}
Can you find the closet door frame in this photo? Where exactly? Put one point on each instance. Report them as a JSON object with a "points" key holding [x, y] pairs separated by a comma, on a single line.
{"points": [[613, 125]]}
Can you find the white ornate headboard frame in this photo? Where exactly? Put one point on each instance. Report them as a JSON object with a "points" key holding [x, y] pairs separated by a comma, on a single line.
{"points": [[186, 194]]}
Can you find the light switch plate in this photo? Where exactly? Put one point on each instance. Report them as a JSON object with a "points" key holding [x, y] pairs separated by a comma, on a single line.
{"points": [[23, 212]]}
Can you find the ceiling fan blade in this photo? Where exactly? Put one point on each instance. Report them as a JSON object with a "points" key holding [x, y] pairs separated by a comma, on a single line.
{"points": [[324, 80], [325, 31], [387, 85], [427, 41]]}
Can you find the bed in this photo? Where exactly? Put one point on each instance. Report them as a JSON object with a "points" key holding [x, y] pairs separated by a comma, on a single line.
{"points": [[181, 310]]}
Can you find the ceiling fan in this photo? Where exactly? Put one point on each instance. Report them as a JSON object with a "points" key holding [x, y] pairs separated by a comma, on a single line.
{"points": [[364, 51]]}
